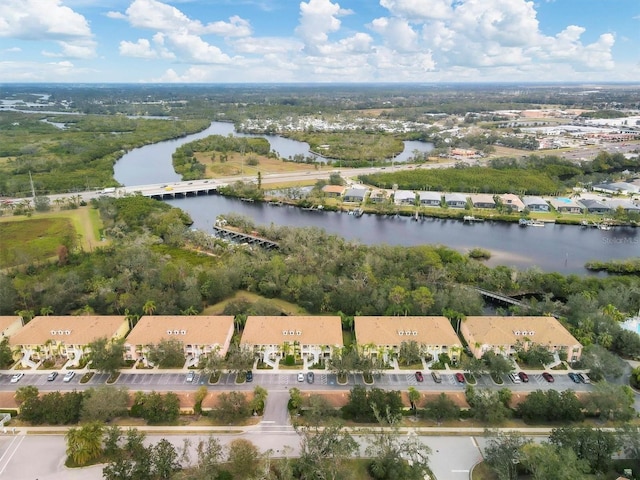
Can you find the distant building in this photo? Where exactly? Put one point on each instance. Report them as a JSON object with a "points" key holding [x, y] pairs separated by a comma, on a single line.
{"points": [[355, 195], [199, 335], [513, 201], [66, 336], [313, 338], [536, 204], [617, 188], [382, 335], [378, 196], [333, 190], [627, 205], [430, 199], [503, 335], [455, 200], [565, 205], [483, 200], [595, 206], [404, 197]]}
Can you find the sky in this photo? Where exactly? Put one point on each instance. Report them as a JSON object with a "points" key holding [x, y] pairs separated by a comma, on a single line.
{"points": [[319, 41]]}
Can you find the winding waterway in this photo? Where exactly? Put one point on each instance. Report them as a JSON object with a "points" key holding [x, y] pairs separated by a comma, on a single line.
{"points": [[559, 248]]}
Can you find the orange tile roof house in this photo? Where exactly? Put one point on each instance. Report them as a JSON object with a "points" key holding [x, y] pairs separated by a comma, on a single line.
{"points": [[502, 334], [9, 325], [333, 190], [383, 335], [199, 334], [311, 337], [67, 336]]}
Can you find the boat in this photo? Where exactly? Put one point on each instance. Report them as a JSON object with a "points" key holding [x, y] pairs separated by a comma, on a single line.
{"points": [[358, 212], [604, 226], [523, 222], [535, 223], [471, 219]]}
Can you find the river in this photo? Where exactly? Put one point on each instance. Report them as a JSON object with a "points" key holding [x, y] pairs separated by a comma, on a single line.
{"points": [[560, 248]]}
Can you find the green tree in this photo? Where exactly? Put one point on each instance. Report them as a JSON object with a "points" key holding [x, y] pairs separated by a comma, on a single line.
{"points": [[548, 462], [594, 445], [106, 355], [240, 359], [232, 406], [164, 459], [497, 365], [503, 455], [258, 400], [409, 353], [6, 355], [601, 363], [441, 408], [168, 353], [104, 403], [84, 443], [243, 459], [324, 452], [199, 397], [611, 402]]}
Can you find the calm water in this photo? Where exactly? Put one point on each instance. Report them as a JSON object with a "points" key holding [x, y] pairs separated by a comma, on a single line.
{"points": [[553, 248], [559, 248]]}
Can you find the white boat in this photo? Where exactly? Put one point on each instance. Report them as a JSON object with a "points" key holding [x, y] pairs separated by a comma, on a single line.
{"points": [[535, 223]]}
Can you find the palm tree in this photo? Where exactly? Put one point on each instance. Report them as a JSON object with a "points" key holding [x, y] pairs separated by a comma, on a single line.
{"points": [[85, 443], [46, 311], [149, 307]]}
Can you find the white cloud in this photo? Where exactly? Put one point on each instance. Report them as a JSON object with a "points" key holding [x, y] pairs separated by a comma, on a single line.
{"points": [[63, 71], [266, 45], [397, 32], [418, 10], [318, 18], [143, 48], [47, 20]]}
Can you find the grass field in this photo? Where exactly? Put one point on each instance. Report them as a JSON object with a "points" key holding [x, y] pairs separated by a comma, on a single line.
{"points": [[284, 306], [36, 238], [236, 164]]}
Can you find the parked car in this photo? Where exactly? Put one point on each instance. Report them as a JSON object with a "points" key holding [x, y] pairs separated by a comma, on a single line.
{"points": [[52, 376], [301, 377], [515, 378], [419, 377], [584, 378], [436, 377], [460, 377], [16, 377], [310, 377], [68, 376], [574, 377], [191, 376], [249, 376], [548, 377], [524, 377]]}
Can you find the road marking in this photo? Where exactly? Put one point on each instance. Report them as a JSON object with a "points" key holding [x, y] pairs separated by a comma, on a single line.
{"points": [[15, 448], [459, 471]]}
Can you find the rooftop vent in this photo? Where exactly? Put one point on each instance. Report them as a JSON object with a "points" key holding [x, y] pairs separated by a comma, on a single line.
{"points": [[169, 332], [298, 332], [516, 333], [183, 332], [400, 332], [291, 332], [67, 332], [53, 332]]}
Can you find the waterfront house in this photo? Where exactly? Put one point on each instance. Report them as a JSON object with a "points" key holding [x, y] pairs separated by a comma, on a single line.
{"points": [[626, 205], [565, 205], [199, 335], [64, 336], [310, 338], [334, 191], [455, 200], [382, 336], [430, 199], [483, 200], [355, 195], [536, 204], [509, 200], [404, 197], [595, 206], [9, 325], [504, 335], [378, 196], [617, 188]]}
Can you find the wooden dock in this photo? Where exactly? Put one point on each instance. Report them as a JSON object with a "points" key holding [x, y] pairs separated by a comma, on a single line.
{"points": [[244, 238]]}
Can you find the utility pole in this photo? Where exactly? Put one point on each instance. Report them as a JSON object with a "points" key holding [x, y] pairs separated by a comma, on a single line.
{"points": [[33, 190]]}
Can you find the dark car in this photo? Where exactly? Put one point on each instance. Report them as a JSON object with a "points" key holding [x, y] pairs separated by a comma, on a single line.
{"points": [[548, 377], [249, 376], [419, 377], [310, 377], [460, 377], [436, 377], [52, 376], [574, 377], [524, 377]]}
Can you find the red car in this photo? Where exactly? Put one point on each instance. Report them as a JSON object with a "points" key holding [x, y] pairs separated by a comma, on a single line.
{"points": [[419, 377], [548, 377], [460, 377], [524, 377]]}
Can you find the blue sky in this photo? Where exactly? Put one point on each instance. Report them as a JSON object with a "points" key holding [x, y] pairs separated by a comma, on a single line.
{"points": [[256, 41]]}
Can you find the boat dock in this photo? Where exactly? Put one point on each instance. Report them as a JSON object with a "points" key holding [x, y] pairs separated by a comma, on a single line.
{"points": [[244, 238]]}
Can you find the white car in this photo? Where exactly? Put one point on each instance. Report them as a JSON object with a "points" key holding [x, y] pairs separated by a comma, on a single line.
{"points": [[190, 377], [68, 376], [301, 377], [16, 378]]}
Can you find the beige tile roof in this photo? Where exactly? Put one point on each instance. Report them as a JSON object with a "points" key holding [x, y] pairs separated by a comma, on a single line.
{"points": [[339, 189], [72, 330], [494, 330], [313, 330], [9, 321], [385, 330], [189, 329]]}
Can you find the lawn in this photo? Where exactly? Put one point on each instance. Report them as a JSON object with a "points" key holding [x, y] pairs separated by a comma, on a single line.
{"points": [[286, 307], [37, 238]]}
